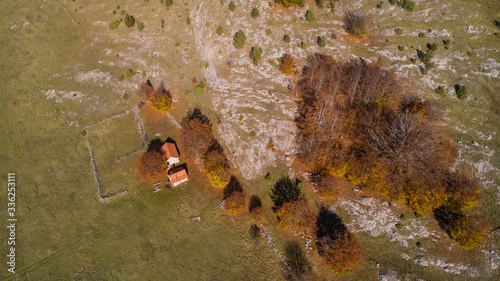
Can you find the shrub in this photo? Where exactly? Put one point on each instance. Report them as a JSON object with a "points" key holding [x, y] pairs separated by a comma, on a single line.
{"points": [[198, 90], [285, 190], [379, 5], [321, 41], [334, 36], [421, 35], [254, 13], [257, 214], [446, 42], [239, 39], [462, 92], [161, 100], [403, 217], [327, 187], [268, 32], [188, 20], [219, 30], [310, 16], [254, 202], [162, 23], [217, 168], [129, 21], [268, 177], [287, 64], [320, 3], [399, 226], [122, 12], [121, 77], [432, 47], [393, 2], [286, 38], [296, 258], [254, 231], [302, 3], [408, 5], [439, 90], [255, 54], [420, 245], [469, 232], [302, 45], [470, 54], [140, 26], [356, 23], [114, 24], [232, 6], [168, 3], [398, 31], [289, 3], [401, 48], [235, 203], [253, 134], [497, 23], [129, 73], [151, 164], [297, 216]]}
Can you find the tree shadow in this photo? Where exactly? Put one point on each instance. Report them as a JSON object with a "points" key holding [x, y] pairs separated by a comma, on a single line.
{"points": [[329, 224], [232, 186], [155, 145], [197, 114], [445, 218]]}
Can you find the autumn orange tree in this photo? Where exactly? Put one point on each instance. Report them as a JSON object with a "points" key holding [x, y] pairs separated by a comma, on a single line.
{"points": [[328, 187], [357, 121], [287, 64], [151, 164], [160, 99], [469, 231], [197, 133], [235, 203], [217, 168], [297, 216], [338, 247]]}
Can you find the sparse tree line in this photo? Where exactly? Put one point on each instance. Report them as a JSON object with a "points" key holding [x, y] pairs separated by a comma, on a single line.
{"points": [[358, 123]]}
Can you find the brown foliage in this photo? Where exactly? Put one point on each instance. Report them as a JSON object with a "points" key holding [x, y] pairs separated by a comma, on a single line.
{"points": [[235, 203], [342, 252], [328, 187], [197, 136], [296, 215], [151, 164], [287, 64], [146, 90], [356, 23], [257, 214], [355, 121]]}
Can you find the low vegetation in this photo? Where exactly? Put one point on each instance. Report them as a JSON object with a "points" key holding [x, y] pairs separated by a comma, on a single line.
{"points": [[356, 22]]}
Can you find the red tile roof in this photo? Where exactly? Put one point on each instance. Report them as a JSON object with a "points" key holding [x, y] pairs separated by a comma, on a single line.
{"points": [[177, 174], [170, 150]]}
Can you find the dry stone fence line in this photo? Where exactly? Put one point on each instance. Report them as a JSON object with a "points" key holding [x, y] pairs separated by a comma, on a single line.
{"points": [[144, 140]]}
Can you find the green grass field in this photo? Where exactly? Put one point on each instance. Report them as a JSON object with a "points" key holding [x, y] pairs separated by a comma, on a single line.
{"points": [[60, 65]]}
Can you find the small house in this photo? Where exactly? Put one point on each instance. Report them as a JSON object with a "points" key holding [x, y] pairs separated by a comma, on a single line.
{"points": [[177, 175], [170, 152]]}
